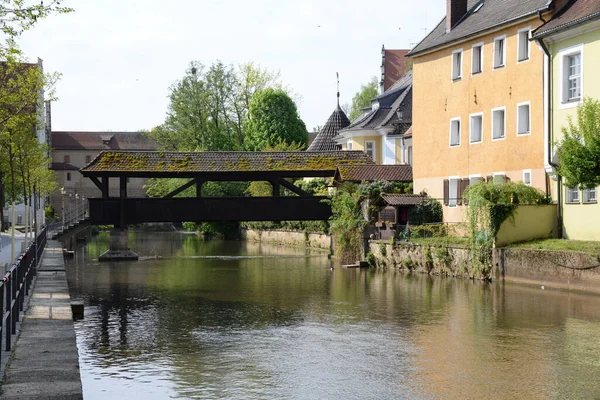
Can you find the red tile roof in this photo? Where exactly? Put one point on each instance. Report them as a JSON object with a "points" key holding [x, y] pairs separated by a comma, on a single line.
{"points": [[394, 66], [101, 141], [577, 11], [359, 173]]}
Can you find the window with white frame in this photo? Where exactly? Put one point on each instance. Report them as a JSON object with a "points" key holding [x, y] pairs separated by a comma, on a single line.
{"points": [[573, 195], [409, 155], [370, 149], [473, 179], [455, 132], [523, 119], [523, 48], [477, 58], [453, 191], [457, 64], [573, 77], [498, 177], [476, 128], [527, 177], [571, 63], [499, 51], [349, 145], [589, 195], [498, 123]]}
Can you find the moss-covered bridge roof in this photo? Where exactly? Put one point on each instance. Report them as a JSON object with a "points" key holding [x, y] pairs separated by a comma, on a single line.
{"points": [[181, 164]]}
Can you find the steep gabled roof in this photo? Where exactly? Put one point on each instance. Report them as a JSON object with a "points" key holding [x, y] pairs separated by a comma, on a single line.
{"points": [[324, 140], [491, 14], [573, 14], [394, 66], [400, 94]]}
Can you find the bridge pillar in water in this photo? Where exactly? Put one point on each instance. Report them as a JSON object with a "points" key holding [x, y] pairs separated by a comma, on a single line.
{"points": [[118, 247]]}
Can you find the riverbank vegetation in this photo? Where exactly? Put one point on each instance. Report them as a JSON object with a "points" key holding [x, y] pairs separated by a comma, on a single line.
{"points": [[352, 211], [490, 204]]}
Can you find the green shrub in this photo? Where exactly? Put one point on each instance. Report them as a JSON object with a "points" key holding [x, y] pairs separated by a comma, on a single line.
{"points": [[383, 249], [408, 263], [371, 259]]}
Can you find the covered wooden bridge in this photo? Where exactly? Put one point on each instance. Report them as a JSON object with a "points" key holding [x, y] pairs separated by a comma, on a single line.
{"points": [[201, 167]]}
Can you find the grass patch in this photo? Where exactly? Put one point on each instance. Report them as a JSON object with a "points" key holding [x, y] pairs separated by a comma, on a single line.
{"points": [[436, 241], [560, 244]]}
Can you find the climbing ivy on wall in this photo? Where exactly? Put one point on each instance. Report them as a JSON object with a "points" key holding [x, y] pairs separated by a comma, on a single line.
{"points": [[490, 204]]}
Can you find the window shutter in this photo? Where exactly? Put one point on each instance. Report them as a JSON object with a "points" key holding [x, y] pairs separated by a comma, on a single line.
{"points": [[446, 191], [464, 183], [506, 178], [489, 178]]}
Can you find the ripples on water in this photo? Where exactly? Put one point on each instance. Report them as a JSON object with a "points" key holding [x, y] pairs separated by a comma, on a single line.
{"points": [[238, 320]]}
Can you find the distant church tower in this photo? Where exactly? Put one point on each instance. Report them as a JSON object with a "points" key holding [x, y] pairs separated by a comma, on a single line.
{"points": [[337, 121]]}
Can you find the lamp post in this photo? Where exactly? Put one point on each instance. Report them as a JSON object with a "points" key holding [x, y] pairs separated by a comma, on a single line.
{"points": [[76, 219], [69, 210], [62, 197]]}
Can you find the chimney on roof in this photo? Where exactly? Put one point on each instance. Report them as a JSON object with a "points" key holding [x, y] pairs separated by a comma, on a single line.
{"points": [[455, 10]]}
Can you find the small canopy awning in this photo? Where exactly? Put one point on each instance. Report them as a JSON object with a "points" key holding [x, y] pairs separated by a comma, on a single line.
{"points": [[396, 199]]}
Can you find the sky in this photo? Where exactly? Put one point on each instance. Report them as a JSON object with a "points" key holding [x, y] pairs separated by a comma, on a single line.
{"points": [[118, 58]]}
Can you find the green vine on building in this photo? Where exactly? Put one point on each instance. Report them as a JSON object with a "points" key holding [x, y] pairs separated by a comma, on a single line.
{"points": [[489, 205]]}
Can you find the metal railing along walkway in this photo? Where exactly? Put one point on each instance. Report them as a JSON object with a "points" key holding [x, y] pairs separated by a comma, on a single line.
{"points": [[15, 285]]}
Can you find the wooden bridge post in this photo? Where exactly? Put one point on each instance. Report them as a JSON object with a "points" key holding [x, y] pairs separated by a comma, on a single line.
{"points": [[276, 186], [122, 198], [105, 190], [199, 183]]}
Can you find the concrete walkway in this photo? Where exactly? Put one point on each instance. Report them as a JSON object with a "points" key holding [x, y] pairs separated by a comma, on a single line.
{"points": [[45, 362]]}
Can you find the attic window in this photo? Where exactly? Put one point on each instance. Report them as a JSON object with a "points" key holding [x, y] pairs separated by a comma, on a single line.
{"points": [[106, 139]]}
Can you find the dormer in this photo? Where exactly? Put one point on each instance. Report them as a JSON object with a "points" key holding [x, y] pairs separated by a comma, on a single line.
{"points": [[106, 139]]}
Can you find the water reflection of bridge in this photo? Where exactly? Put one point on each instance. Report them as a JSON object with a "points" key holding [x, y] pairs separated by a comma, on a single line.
{"points": [[201, 167]]}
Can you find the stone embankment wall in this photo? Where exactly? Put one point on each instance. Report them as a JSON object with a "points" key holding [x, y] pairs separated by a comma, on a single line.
{"points": [[289, 238], [452, 261], [567, 270], [551, 269]]}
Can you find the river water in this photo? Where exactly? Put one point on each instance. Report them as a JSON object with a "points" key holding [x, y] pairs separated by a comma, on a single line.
{"points": [[238, 320]]}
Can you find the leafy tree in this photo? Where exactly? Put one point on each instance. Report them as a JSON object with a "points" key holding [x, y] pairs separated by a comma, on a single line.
{"points": [[17, 16], [274, 119], [363, 98], [579, 150], [208, 108], [24, 162]]}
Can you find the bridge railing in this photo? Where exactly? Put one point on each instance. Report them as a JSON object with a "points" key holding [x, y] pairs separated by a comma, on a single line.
{"points": [[15, 285]]}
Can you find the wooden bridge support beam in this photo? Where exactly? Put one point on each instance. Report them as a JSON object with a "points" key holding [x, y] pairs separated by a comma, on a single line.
{"points": [[122, 198], [199, 184], [105, 189], [276, 186]]}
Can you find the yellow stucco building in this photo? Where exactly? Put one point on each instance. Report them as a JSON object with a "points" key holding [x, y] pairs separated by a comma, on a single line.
{"points": [[479, 108], [572, 41]]}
